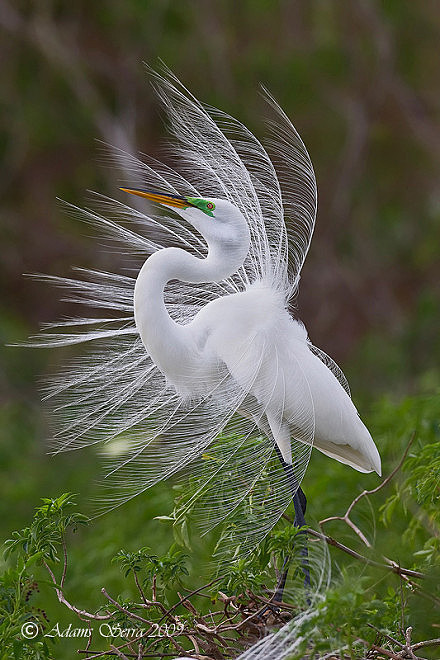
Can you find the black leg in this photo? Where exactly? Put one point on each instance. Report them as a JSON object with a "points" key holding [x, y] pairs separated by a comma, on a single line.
{"points": [[300, 505], [303, 501]]}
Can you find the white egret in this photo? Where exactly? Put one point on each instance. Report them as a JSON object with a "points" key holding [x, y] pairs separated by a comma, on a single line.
{"points": [[198, 361]]}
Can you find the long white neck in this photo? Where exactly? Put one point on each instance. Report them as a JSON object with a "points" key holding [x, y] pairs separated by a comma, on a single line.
{"points": [[169, 344]]}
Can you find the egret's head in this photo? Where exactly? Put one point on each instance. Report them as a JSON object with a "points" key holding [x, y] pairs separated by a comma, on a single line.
{"points": [[217, 220]]}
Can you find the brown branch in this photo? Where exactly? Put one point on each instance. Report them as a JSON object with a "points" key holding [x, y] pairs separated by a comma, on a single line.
{"points": [[190, 595], [405, 649], [194, 642], [389, 654], [415, 586], [392, 566], [118, 652], [428, 642], [100, 654], [132, 615], [63, 577], [141, 591], [388, 637], [408, 649], [89, 639], [346, 517], [64, 601]]}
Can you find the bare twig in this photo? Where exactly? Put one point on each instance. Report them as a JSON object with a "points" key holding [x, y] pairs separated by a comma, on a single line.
{"points": [[194, 642], [63, 577], [89, 640], [64, 601], [408, 649], [132, 615], [346, 517], [118, 652], [141, 591], [389, 654], [395, 568], [427, 642], [388, 637], [192, 593]]}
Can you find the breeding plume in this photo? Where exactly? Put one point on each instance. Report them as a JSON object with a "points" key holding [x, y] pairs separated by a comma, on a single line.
{"points": [[193, 360]]}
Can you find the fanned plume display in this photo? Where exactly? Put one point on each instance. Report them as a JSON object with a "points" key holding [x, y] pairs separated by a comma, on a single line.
{"points": [[245, 385]]}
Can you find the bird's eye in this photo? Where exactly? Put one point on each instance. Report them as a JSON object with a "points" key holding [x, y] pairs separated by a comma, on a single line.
{"points": [[208, 208], [202, 204]]}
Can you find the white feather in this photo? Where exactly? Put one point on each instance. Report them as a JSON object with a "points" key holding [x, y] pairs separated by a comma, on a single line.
{"points": [[198, 351]]}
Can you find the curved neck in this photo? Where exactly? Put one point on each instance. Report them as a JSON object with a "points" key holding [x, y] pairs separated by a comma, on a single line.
{"points": [[168, 343]]}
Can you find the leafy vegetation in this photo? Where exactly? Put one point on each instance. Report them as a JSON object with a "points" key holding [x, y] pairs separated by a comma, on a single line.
{"points": [[381, 595], [360, 80]]}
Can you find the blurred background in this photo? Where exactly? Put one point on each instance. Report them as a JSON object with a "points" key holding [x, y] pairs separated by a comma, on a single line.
{"points": [[360, 80]]}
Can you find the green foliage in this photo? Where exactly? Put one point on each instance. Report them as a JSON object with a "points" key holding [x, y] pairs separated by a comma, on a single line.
{"points": [[417, 493], [135, 561], [380, 238], [244, 574], [423, 481], [167, 570], [363, 605], [406, 515], [47, 532], [289, 540], [171, 567], [17, 587], [348, 619], [40, 542]]}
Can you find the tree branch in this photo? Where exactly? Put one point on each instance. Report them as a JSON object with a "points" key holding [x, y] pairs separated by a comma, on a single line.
{"points": [[346, 517], [392, 566], [63, 601]]}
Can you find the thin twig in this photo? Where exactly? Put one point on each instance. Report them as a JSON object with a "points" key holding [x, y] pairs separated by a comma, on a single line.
{"points": [[64, 601], [89, 640], [118, 652], [141, 591], [408, 647], [346, 517], [388, 637], [190, 595], [393, 567], [63, 577], [132, 615], [194, 642], [427, 642], [100, 654], [389, 654]]}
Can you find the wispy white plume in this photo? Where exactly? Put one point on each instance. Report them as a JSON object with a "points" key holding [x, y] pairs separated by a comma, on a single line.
{"points": [[114, 390]]}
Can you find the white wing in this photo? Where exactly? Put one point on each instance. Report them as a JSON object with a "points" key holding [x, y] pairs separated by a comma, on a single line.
{"points": [[331, 364]]}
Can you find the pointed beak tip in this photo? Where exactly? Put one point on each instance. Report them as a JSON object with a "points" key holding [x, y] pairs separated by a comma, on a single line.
{"points": [[168, 199]]}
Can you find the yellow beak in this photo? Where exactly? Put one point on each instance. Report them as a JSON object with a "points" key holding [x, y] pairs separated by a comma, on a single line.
{"points": [[162, 198]]}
